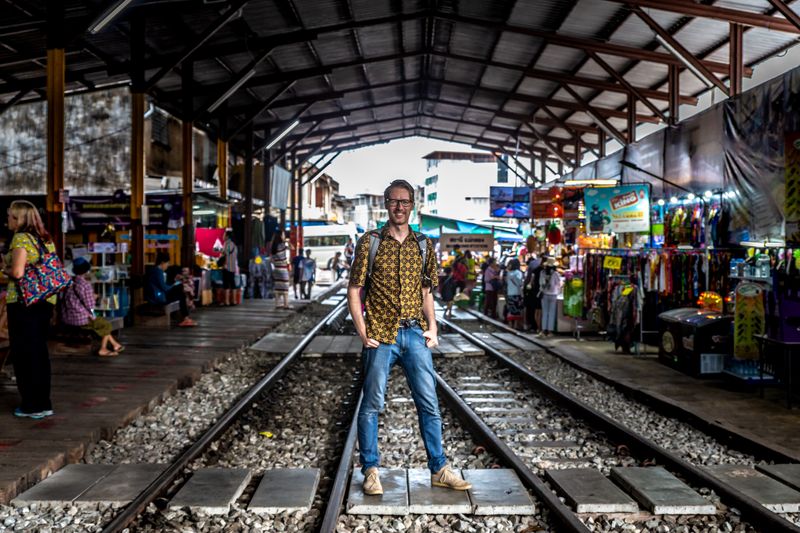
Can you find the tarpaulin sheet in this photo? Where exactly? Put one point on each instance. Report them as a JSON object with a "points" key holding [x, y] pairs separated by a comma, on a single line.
{"points": [[693, 153], [647, 154], [754, 160]]}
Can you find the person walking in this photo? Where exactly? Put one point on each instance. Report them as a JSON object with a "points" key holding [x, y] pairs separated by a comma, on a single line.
{"points": [[550, 287], [471, 275], [400, 328], [533, 303], [297, 270], [280, 271], [514, 305], [349, 252], [448, 292], [491, 286], [230, 269], [28, 325], [77, 309], [335, 265], [308, 276]]}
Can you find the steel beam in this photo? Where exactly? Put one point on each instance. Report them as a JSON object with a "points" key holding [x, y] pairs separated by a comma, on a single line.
{"points": [[586, 44], [631, 89], [320, 170], [137, 162], [695, 9], [631, 109], [792, 17], [698, 64], [596, 115], [187, 166], [251, 115], [187, 52]]}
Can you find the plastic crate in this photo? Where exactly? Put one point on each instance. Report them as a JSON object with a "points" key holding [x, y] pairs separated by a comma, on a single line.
{"points": [[712, 363]]}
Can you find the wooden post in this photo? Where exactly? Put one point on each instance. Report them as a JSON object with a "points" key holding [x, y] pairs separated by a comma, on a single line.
{"points": [[55, 120], [674, 88], [222, 157], [137, 165], [631, 119], [248, 196], [187, 165], [736, 58]]}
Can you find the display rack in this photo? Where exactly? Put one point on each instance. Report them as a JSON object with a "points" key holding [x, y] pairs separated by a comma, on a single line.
{"points": [[110, 280]]}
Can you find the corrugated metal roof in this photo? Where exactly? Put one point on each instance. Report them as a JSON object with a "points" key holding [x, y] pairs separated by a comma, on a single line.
{"points": [[386, 59]]}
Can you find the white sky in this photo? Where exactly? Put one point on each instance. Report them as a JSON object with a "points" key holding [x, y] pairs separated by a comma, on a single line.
{"points": [[370, 169]]}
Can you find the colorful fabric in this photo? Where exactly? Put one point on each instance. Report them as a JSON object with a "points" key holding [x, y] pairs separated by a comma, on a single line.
{"points": [[29, 243], [395, 290], [280, 269], [77, 303]]}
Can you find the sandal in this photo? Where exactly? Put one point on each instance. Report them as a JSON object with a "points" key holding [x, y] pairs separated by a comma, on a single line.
{"points": [[120, 349], [106, 354]]}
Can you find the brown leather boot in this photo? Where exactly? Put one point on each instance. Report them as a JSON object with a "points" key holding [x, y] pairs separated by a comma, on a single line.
{"points": [[447, 479], [372, 483]]}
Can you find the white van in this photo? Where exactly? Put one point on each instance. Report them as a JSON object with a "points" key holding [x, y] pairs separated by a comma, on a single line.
{"points": [[324, 241]]}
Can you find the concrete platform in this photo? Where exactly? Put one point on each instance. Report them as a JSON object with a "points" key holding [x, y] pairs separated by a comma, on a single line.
{"points": [[588, 491], [424, 499], [394, 500], [63, 487], [121, 485], [787, 474], [93, 397], [285, 490], [770, 493], [212, 490], [661, 492], [498, 491], [711, 400]]}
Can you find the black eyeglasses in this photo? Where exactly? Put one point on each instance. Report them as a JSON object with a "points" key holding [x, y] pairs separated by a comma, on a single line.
{"points": [[391, 202]]}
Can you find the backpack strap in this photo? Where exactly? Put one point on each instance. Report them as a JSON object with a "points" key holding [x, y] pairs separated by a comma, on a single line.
{"points": [[422, 242], [374, 242]]}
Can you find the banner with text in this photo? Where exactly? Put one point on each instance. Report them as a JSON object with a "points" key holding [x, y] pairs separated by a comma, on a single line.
{"points": [[618, 209], [467, 241]]}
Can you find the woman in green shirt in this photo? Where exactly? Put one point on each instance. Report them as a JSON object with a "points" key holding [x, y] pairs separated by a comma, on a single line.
{"points": [[28, 325]]}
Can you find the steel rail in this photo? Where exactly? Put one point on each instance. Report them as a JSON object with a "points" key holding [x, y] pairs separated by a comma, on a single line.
{"points": [[175, 470], [727, 436], [755, 513], [561, 513], [336, 498]]}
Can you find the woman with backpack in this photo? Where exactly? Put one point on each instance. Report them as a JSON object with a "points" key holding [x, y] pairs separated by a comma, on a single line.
{"points": [[550, 287], [28, 325]]}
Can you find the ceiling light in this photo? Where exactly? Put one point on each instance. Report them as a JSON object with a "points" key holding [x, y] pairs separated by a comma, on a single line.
{"points": [[661, 202], [690, 196], [282, 134], [683, 59], [708, 194], [112, 12], [233, 88], [673, 200]]}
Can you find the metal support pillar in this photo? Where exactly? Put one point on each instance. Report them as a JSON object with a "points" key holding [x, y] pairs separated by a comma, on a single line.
{"points": [[266, 155], [674, 94], [601, 141], [187, 166], [292, 203], [736, 58], [55, 121], [222, 156], [137, 167], [248, 196], [578, 149], [299, 207], [631, 119]]}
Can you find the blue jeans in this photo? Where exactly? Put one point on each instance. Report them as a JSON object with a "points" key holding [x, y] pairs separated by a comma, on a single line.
{"points": [[549, 311], [417, 364]]}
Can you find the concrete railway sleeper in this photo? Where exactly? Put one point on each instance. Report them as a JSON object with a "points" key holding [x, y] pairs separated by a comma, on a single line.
{"points": [[758, 515]]}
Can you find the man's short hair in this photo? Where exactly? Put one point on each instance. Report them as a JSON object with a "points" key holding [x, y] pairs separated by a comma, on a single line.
{"points": [[399, 184], [162, 257]]}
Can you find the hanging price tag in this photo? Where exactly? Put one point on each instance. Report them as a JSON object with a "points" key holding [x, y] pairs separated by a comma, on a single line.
{"points": [[612, 263]]}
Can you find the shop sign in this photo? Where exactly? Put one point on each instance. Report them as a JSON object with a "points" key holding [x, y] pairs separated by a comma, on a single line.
{"points": [[467, 241], [611, 262], [619, 209]]}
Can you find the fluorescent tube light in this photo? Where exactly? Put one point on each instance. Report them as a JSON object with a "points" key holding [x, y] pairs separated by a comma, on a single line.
{"points": [[282, 134], [109, 15], [233, 88], [763, 244], [600, 182], [204, 212], [683, 59]]}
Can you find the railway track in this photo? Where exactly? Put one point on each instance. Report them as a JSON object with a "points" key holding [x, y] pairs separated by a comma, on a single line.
{"points": [[753, 511]]}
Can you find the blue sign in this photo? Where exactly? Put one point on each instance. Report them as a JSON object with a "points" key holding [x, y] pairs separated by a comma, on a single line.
{"points": [[620, 209]]}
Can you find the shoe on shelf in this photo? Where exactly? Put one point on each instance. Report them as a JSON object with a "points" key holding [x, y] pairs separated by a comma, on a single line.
{"points": [[447, 479], [22, 414], [372, 483]]}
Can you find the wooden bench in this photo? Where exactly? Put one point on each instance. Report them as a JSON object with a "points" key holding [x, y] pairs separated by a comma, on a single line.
{"points": [[160, 315]]}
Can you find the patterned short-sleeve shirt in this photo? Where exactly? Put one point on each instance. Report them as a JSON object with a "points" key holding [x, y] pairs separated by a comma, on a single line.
{"points": [[395, 289], [31, 246]]}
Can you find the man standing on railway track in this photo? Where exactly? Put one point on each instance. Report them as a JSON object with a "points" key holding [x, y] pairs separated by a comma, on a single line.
{"points": [[397, 269]]}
